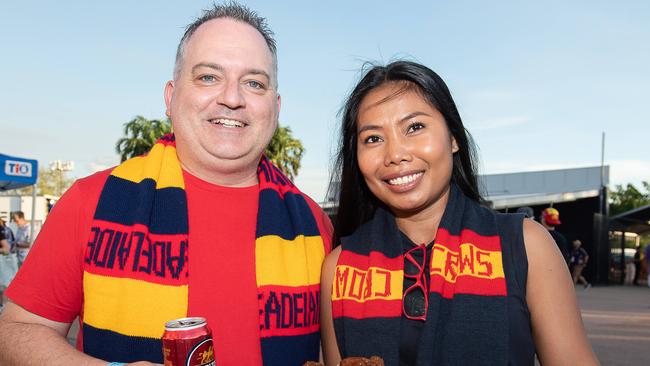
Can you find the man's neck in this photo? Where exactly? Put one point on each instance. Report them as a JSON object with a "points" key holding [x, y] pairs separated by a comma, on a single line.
{"points": [[225, 179]]}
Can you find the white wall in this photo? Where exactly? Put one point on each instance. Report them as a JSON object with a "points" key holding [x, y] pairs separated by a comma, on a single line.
{"points": [[24, 204]]}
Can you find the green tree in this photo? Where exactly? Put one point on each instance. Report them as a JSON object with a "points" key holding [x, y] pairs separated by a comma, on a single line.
{"points": [[140, 134], [626, 198], [285, 152], [52, 182]]}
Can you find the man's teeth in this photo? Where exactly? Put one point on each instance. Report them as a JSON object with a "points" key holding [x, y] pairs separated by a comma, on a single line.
{"points": [[405, 179], [227, 122]]}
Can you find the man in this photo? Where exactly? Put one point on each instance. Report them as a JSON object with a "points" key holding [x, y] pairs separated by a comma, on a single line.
{"points": [[579, 259], [117, 247], [4, 281], [550, 219], [637, 265], [646, 255], [8, 262], [22, 240]]}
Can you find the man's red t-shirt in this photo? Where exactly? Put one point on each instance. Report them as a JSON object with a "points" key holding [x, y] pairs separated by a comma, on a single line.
{"points": [[222, 234]]}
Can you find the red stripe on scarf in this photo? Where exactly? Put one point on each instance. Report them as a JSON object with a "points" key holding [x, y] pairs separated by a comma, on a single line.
{"points": [[367, 309], [289, 311], [121, 251]]}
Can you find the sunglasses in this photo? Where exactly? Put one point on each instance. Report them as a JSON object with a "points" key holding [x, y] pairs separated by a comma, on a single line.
{"points": [[415, 301]]}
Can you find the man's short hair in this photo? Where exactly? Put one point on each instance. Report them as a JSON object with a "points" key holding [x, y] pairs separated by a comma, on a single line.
{"points": [[19, 214], [235, 11]]}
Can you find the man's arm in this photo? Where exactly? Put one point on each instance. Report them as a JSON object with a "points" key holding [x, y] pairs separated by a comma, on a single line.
{"points": [[23, 242], [28, 339], [4, 247]]}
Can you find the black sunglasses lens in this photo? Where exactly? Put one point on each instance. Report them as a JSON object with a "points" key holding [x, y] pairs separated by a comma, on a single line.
{"points": [[410, 268], [414, 305]]}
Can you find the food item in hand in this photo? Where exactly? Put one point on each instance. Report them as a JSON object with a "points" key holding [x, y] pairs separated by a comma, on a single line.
{"points": [[362, 361], [354, 361]]}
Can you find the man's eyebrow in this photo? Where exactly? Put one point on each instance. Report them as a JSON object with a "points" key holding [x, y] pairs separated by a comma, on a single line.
{"points": [[209, 65], [258, 72], [217, 67]]}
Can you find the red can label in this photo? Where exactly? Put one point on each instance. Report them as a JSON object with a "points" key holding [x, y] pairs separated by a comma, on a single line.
{"points": [[188, 342], [202, 354]]}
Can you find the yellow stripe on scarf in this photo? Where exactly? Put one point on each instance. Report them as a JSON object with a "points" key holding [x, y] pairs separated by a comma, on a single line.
{"points": [[375, 283], [285, 262], [131, 307], [471, 261], [149, 166]]}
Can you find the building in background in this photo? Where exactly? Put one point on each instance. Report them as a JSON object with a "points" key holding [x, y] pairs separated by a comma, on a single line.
{"points": [[578, 194]]}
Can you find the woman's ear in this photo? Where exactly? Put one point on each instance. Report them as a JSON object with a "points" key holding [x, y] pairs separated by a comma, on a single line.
{"points": [[454, 145]]}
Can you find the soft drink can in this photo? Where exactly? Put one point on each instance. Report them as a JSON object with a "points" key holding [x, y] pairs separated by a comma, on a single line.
{"points": [[188, 342]]}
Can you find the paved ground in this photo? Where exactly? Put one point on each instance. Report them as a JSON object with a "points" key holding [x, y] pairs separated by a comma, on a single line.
{"points": [[617, 319]]}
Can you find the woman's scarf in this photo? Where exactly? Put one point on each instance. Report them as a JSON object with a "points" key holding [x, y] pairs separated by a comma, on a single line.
{"points": [[467, 322], [137, 268]]}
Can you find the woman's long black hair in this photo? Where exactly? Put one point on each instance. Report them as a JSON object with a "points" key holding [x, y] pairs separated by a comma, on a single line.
{"points": [[356, 203]]}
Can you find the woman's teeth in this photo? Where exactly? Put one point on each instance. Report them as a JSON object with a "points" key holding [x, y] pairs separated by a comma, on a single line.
{"points": [[405, 179]]}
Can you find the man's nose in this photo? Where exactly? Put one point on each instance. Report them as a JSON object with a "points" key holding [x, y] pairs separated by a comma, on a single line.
{"points": [[231, 95]]}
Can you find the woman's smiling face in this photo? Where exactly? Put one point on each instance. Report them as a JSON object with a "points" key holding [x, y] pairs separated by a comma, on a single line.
{"points": [[404, 148]]}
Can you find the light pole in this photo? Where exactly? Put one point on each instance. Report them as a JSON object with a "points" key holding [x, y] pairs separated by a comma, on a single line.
{"points": [[60, 167]]}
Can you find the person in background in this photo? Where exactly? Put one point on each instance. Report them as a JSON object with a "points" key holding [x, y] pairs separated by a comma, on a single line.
{"points": [[22, 240], [117, 248], [5, 250], [646, 254], [527, 212], [551, 219], [637, 265], [578, 261], [425, 273], [9, 234]]}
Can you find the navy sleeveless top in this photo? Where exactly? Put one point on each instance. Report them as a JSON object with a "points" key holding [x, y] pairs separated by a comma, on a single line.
{"points": [[521, 349]]}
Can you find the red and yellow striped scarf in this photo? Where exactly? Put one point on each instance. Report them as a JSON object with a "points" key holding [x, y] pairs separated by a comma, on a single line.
{"points": [[136, 266], [466, 323]]}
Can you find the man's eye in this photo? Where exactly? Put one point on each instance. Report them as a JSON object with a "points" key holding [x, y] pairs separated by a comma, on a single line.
{"points": [[207, 78], [255, 84], [415, 126]]}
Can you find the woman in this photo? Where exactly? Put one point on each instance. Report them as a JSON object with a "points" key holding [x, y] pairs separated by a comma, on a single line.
{"points": [[425, 274]]}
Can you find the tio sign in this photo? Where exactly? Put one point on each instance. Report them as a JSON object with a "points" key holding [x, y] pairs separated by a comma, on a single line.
{"points": [[18, 168]]}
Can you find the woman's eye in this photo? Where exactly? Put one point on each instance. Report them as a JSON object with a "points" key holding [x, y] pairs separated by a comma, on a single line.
{"points": [[371, 139], [415, 127]]}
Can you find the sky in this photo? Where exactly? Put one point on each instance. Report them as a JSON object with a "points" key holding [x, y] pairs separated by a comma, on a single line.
{"points": [[536, 83]]}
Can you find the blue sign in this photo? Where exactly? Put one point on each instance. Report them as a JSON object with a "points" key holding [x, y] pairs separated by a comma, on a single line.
{"points": [[17, 172]]}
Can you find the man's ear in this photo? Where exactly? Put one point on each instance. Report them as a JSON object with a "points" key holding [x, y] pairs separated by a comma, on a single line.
{"points": [[169, 91]]}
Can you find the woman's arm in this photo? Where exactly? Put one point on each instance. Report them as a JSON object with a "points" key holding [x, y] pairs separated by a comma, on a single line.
{"points": [[558, 331], [331, 355]]}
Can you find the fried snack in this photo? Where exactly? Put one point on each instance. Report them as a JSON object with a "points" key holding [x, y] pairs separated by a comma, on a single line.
{"points": [[362, 361], [353, 361]]}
